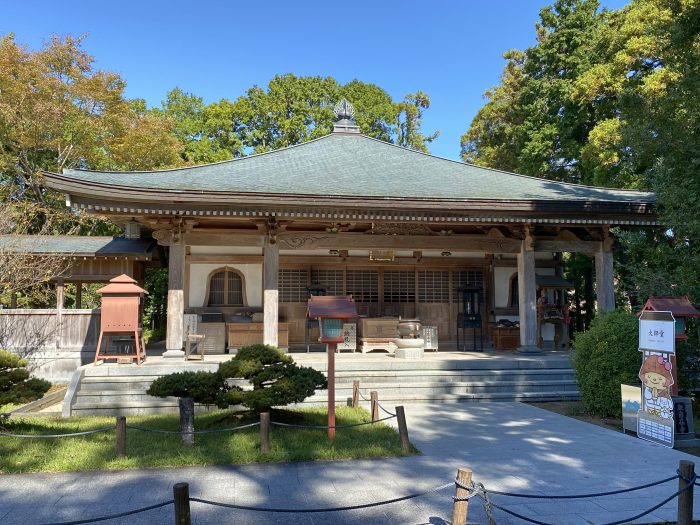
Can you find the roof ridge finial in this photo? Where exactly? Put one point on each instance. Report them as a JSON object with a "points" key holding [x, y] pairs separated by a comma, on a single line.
{"points": [[344, 110], [345, 113]]}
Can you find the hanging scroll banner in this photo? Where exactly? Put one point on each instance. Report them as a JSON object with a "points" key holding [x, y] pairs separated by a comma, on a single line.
{"points": [[657, 344]]}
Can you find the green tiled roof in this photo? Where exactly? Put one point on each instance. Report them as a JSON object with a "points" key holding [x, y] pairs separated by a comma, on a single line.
{"points": [[353, 165], [77, 245]]}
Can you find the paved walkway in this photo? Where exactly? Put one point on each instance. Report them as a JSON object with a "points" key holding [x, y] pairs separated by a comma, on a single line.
{"points": [[509, 446]]}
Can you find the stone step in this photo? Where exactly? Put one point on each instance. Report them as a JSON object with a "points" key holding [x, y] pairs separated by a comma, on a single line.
{"points": [[463, 376], [465, 388], [389, 402]]}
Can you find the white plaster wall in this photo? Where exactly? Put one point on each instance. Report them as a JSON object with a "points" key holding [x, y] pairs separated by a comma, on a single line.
{"points": [[252, 273], [502, 277], [501, 282]]}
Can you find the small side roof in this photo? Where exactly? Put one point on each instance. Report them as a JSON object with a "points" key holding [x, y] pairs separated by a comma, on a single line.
{"points": [[76, 245], [678, 306]]}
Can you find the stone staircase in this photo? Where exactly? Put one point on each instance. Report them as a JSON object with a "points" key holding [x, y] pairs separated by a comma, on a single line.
{"points": [[121, 389], [516, 379]]}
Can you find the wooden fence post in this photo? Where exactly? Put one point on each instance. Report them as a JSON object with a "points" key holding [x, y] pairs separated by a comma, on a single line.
{"points": [[355, 394], [460, 508], [403, 429], [181, 495], [265, 432], [186, 421], [374, 405], [686, 470], [121, 437]]}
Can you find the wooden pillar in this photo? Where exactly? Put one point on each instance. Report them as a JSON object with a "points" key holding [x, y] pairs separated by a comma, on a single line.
{"points": [[13, 300], [60, 301], [176, 299], [604, 289], [527, 297], [271, 262], [78, 295]]}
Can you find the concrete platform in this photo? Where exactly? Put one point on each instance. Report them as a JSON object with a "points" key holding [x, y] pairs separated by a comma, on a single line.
{"points": [[112, 389]]}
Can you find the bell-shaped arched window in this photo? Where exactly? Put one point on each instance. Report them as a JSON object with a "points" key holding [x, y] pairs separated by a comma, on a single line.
{"points": [[226, 288]]}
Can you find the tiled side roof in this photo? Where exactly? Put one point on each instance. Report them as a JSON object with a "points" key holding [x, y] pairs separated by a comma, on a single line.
{"points": [[356, 165], [77, 245]]}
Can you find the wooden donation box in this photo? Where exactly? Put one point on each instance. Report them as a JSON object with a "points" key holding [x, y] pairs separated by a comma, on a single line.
{"points": [[120, 320]]}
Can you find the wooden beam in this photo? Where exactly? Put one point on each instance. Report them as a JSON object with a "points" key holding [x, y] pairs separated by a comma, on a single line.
{"points": [[224, 259], [270, 294], [176, 301], [567, 246], [223, 238], [350, 240]]}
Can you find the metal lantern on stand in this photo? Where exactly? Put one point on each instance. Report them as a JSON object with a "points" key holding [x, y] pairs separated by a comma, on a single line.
{"points": [[331, 312], [313, 291], [470, 315]]}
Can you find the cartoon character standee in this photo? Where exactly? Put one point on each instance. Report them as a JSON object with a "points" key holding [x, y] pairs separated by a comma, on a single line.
{"points": [[657, 378]]}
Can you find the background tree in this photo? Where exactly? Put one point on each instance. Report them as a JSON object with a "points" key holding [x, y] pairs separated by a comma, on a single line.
{"points": [[57, 111], [609, 98], [410, 120]]}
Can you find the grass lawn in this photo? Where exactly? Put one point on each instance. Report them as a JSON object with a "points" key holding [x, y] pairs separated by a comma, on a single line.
{"points": [[146, 449]]}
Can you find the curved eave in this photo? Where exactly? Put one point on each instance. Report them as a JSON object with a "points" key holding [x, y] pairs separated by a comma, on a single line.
{"points": [[99, 193]]}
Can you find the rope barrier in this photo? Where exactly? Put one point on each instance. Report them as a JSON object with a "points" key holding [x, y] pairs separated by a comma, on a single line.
{"points": [[329, 509], [574, 496], [363, 397], [196, 432], [482, 492], [114, 516], [39, 436], [385, 410], [325, 427]]}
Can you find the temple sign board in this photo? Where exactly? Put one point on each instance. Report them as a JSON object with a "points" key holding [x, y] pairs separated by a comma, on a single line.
{"points": [[657, 343]]}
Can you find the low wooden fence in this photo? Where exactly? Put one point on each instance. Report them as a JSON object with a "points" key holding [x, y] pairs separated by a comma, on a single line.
{"points": [[28, 330]]}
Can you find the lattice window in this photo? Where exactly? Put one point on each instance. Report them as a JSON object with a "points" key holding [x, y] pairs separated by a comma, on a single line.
{"points": [[330, 278], [292, 285], [226, 288], [433, 286], [468, 279], [399, 286], [363, 285]]}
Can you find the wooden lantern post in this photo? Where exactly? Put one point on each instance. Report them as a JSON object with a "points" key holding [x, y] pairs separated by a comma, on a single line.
{"points": [[331, 311]]}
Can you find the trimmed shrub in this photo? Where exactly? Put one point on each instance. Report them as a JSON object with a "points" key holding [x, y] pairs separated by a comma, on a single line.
{"points": [[277, 380], [16, 386], [605, 356], [208, 388]]}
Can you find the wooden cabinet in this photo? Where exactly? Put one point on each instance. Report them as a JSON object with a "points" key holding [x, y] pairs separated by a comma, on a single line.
{"points": [[379, 328], [246, 334], [506, 337], [378, 334]]}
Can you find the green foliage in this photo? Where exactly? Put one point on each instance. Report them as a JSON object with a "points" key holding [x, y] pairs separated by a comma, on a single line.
{"points": [[16, 386], [277, 380], [204, 387], [97, 451], [604, 357], [610, 98], [154, 311]]}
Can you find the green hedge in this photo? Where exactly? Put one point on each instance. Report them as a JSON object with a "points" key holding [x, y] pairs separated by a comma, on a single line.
{"points": [[605, 356]]}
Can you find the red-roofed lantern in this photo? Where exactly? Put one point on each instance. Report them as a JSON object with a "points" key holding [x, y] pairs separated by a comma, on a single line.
{"points": [[331, 311], [122, 306]]}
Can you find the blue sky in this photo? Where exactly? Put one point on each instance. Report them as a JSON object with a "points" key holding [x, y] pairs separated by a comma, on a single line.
{"points": [[216, 49]]}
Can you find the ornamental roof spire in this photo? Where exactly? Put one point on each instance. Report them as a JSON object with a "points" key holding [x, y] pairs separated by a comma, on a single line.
{"points": [[345, 113]]}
